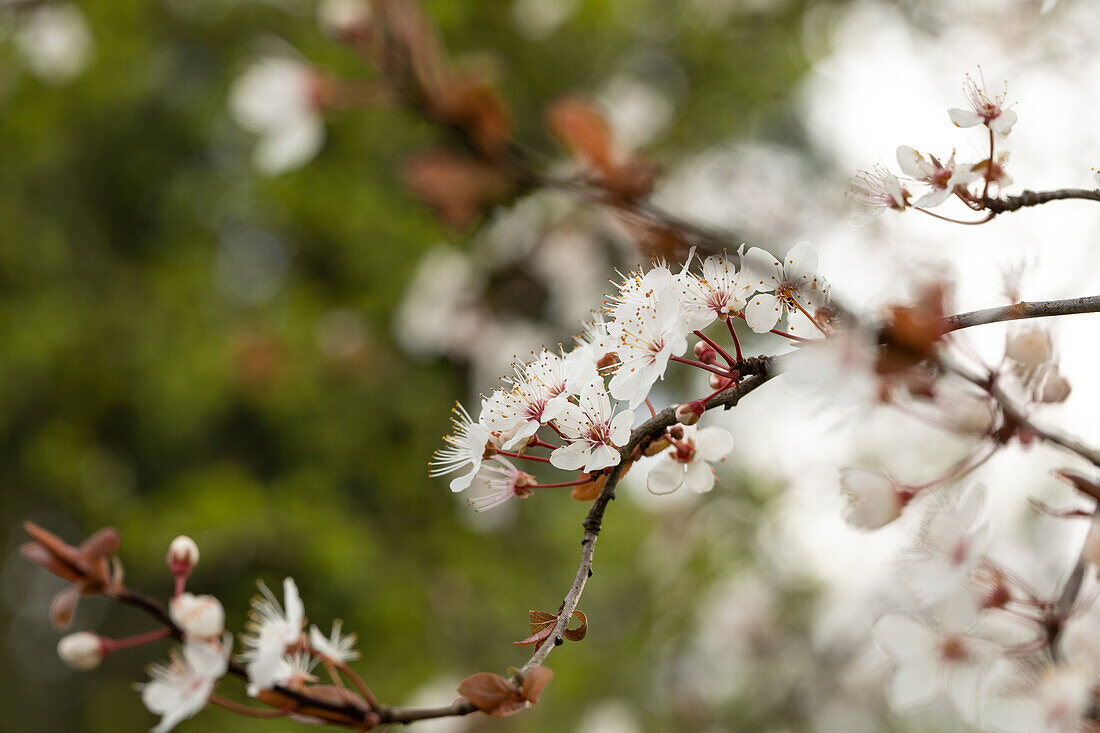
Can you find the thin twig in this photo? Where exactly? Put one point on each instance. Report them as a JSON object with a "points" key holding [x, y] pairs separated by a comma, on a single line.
{"points": [[1035, 309]]}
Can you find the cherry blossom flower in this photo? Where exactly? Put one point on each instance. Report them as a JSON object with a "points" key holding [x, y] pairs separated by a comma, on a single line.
{"points": [[639, 289], [984, 110], [718, 292], [942, 177], [593, 430], [295, 671], [338, 646], [198, 617], [182, 688], [501, 481], [272, 631], [594, 349], [646, 338], [1028, 698], [1029, 346], [539, 391], [874, 499], [949, 546], [465, 450], [878, 189], [276, 99], [943, 658], [686, 462], [963, 409], [792, 285], [839, 369]]}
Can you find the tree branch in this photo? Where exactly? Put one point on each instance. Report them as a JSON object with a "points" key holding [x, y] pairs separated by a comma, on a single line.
{"points": [[1035, 198], [1016, 311]]}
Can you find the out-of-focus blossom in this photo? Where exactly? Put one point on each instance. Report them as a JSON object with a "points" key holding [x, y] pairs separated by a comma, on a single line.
{"points": [[984, 110], [1026, 698], [55, 41], [942, 177], [465, 450], [686, 463], [963, 409], [879, 190], [180, 689], [943, 658], [874, 499], [277, 100], [198, 617], [272, 630], [183, 555], [948, 547], [594, 431], [790, 286], [1030, 346], [337, 646]]}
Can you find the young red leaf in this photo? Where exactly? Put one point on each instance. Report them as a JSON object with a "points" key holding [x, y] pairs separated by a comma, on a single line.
{"points": [[535, 682], [578, 633]]}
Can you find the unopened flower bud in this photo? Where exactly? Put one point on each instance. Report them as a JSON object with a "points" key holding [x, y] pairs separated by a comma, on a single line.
{"points": [[676, 432], [705, 353], [82, 650], [1053, 388], [719, 382], [198, 617], [689, 413], [874, 499], [1029, 346], [183, 555]]}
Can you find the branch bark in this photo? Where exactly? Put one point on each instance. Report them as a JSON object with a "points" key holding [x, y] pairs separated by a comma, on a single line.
{"points": [[1023, 309], [1035, 198]]}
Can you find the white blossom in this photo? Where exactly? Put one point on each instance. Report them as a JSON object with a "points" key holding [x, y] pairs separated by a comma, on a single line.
{"points": [[942, 177], [1030, 699], [943, 658], [180, 689], [984, 110], [719, 291], [594, 431], [879, 190], [647, 335], [198, 617], [464, 450], [273, 629], [686, 462], [949, 545], [276, 99], [499, 481], [783, 286], [874, 499], [337, 646]]}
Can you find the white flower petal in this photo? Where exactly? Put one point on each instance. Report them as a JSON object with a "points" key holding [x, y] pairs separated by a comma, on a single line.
{"points": [[666, 476], [762, 313]]}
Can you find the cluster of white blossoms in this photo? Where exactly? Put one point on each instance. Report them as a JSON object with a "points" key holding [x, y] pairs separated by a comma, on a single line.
{"points": [[878, 189], [976, 635], [581, 404], [277, 651]]}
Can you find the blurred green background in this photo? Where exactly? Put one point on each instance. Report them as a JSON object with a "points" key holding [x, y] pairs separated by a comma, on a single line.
{"points": [[189, 347]]}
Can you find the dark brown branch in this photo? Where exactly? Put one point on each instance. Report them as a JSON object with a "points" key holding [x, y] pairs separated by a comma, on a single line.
{"points": [[639, 439], [1035, 309], [1035, 198]]}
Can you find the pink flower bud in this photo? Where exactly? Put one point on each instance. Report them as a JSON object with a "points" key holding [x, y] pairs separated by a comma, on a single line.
{"points": [[705, 353], [874, 499], [1054, 389], [689, 413], [1031, 346], [199, 617], [183, 556], [82, 650]]}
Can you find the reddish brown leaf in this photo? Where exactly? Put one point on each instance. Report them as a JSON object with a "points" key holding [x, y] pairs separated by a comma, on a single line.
{"points": [[63, 606], [457, 189], [578, 633], [488, 691], [535, 682], [590, 490], [104, 542], [583, 131]]}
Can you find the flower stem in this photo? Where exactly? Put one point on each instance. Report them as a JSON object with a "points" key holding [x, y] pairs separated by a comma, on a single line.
{"points": [[513, 454], [736, 341], [701, 365], [714, 345]]}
